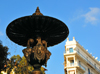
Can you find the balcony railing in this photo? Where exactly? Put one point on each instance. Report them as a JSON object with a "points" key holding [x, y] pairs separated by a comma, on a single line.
{"points": [[81, 67], [67, 52], [70, 64], [88, 61], [75, 64]]}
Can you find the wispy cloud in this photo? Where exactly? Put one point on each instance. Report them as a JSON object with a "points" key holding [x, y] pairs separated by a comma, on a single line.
{"points": [[93, 16], [1, 34]]}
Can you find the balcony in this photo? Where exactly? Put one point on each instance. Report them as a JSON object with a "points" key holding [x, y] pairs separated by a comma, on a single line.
{"points": [[66, 53], [75, 65], [81, 67], [70, 65], [88, 61]]}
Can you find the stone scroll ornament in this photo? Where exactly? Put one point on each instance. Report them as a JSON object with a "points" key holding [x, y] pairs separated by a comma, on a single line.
{"points": [[39, 50]]}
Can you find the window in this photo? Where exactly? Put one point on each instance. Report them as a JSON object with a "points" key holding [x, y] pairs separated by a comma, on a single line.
{"points": [[88, 71], [72, 62], [70, 50], [78, 51], [95, 65], [79, 63]]}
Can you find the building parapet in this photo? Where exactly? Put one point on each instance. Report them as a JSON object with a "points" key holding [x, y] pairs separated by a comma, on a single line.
{"points": [[89, 62]]}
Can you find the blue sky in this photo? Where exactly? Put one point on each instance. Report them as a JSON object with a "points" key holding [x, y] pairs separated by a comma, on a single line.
{"points": [[81, 16]]}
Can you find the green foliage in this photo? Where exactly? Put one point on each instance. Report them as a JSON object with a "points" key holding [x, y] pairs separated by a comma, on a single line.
{"points": [[20, 65], [3, 55], [42, 69]]}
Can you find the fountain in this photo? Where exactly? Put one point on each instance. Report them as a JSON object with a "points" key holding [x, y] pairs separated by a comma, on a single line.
{"points": [[36, 32]]}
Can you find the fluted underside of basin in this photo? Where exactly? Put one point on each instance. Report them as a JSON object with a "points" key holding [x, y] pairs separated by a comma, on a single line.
{"points": [[52, 30]]}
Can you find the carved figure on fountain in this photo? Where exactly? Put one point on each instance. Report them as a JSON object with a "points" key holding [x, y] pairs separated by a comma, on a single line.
{"points": [[39, 52]]}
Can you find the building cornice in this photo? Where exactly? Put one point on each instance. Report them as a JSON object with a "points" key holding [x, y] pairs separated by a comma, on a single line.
{"points": [[77, 44]]}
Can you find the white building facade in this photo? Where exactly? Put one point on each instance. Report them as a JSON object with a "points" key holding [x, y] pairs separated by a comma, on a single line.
{"points": [[77, 60]]}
